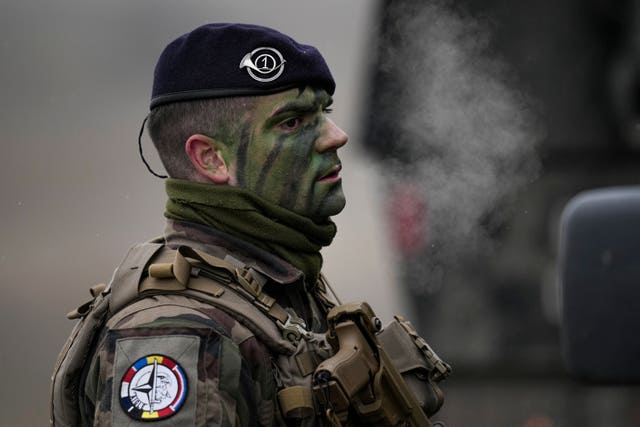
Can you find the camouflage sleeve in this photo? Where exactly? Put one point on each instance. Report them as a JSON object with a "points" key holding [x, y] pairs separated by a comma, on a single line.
{"points": [[175, 362]]}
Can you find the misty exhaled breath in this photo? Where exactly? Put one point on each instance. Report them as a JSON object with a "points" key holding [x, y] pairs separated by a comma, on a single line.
{"points": [[461, 132]]}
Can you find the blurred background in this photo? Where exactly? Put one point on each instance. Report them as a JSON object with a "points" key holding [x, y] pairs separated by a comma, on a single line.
{"points": [[472, 123]]}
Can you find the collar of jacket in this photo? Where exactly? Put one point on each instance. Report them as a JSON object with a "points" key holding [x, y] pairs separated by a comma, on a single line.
{"points": [[220, 244]]}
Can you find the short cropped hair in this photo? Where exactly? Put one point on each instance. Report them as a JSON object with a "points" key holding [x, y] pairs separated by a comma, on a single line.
{"points": [[170, 126]]}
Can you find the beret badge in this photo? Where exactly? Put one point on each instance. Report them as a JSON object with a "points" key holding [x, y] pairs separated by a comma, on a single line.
{"points": [[264, 64]]}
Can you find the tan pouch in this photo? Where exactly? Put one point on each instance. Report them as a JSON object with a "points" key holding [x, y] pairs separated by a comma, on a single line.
{"points": [[419, 365]]}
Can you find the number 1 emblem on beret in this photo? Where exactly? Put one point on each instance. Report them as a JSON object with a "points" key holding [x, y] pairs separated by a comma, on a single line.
{"points": [[264, 64], [153, 388]]}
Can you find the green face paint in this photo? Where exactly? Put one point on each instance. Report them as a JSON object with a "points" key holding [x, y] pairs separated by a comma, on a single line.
{"points": [[287, 153]]}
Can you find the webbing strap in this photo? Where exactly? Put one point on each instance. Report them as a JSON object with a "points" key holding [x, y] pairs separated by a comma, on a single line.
{"points": [[307, 362], [188, 263], [322, 295], [185, 252], [233, 303], [249, 286], [208, 287], [296, 402]]}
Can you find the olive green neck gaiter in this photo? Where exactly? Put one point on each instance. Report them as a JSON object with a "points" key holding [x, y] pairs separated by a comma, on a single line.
{"points": [[293, 237]]}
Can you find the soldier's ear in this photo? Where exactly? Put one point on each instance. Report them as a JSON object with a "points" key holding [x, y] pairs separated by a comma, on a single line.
{"points": [[205, 155]]}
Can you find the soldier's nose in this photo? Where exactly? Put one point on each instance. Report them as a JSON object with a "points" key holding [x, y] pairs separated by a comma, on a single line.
{"points": [[332, 137]]}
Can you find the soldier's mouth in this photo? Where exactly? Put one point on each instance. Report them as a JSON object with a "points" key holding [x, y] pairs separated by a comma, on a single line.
{"points": [[332, 174]]}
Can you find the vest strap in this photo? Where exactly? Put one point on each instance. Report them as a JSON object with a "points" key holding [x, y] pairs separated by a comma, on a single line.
{"points": [[189, 262], [296, 402]]}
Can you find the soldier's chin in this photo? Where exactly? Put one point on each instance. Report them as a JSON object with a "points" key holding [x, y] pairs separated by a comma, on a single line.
{"points": [[332, 205]]}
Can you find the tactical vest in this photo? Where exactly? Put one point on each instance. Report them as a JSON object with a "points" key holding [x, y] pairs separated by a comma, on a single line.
{"points": [[153, 268]]}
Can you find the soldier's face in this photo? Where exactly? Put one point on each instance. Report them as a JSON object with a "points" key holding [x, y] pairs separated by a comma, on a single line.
{"points": [[288, 153]]}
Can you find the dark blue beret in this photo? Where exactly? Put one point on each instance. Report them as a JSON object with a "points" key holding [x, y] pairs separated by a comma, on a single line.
{"points": [[219, 60]]}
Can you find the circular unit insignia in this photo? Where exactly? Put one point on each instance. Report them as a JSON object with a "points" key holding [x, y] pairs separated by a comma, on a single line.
{"points": [[153, 388], [264, 64]]}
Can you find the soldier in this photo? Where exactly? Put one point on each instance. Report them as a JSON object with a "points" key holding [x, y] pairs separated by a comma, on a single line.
{"points": [[222, 321]]}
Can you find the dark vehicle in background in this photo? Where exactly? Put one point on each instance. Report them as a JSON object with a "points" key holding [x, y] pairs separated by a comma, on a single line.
{"points": [[561, 79]]}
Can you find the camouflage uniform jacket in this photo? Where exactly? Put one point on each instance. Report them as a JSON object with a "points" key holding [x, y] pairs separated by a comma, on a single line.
{"points": [[225, 375]]}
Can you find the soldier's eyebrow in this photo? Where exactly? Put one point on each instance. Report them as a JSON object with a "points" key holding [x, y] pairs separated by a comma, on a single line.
{"points": [[295, 107], [303, 107]]}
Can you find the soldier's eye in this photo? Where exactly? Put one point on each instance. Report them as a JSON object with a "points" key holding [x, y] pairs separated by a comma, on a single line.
{"points": [[291, 124]]}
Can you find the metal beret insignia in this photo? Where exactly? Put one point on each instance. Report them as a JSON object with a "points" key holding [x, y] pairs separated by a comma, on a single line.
{"points": [[153, 388], [264, 64]]}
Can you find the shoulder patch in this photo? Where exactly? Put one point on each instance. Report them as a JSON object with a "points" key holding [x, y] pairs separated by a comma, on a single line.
{"points": [[154, 378], [153, 388]]}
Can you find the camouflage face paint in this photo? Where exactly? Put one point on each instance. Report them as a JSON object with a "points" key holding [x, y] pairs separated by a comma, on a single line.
{"points": [[287, 153]]}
